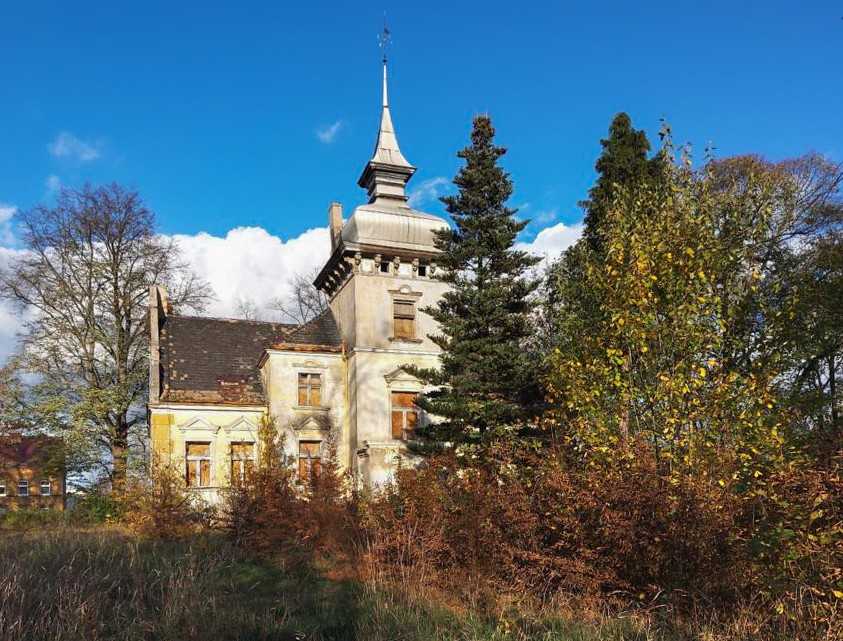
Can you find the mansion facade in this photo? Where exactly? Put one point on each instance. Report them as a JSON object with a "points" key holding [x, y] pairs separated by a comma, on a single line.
{"points": [[333, 386]]}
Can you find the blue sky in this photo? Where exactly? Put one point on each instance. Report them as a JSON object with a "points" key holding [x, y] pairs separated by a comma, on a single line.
{"points": [[212, 110], [240, 122]]}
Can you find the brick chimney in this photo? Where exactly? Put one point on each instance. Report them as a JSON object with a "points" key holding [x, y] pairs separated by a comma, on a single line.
{"points": [[159, 307], [335, 223]]}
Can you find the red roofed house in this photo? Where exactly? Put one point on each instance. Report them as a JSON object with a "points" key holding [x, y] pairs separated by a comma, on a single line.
{"points": [[32, 474]]}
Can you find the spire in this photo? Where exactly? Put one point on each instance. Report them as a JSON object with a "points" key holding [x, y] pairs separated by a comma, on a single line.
{"points": [[386, 174]]}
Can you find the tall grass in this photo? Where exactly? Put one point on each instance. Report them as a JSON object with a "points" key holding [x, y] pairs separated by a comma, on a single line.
{"points": [[103, 584]]}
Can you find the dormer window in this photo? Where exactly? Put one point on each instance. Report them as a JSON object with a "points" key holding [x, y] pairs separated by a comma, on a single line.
{"points": [[404, 319]]}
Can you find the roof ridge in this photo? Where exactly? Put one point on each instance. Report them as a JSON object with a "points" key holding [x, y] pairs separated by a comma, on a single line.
{"points": [[234, 320]]}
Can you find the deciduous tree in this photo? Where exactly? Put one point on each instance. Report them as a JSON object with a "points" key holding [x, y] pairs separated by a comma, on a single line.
{"points": [[85, 278]]}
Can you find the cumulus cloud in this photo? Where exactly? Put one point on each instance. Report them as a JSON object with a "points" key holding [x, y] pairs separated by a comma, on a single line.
{"points": [[551, 241], [329, 133], [250, 264], [66, 145], [427, 191], [10, 317]]}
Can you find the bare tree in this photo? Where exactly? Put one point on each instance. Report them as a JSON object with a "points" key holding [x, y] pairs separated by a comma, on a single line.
{"points": [[86, 274], [305, 303], [247, 309]]}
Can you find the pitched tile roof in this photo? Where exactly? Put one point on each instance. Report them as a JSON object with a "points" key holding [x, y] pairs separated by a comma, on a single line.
{"points": [[215, 360], [18, 450]]}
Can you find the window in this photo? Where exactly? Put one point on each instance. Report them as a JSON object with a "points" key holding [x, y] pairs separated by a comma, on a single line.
{"points": [[404, 319], [310, 390], [310, 460], [384, 265], [242, 461], [2, 487], [23, 487], [405, 414], [198, 460], [46, 488], [422, 270]]}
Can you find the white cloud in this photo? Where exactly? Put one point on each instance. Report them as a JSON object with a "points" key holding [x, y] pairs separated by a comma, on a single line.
{"points": [[250, 264], [329, 133], [550, 242], [66, 145], [427, 191], [7, 212], [53, 183], [545, 217], [10, 317]]}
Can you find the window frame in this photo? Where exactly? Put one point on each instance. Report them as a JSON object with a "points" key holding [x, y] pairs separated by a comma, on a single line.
{"points": [[309, 389], [23, 483], [242, 460], [188, 459], [49, 486], [396, 315], [2, 488], [406, 434], [311, 459]]}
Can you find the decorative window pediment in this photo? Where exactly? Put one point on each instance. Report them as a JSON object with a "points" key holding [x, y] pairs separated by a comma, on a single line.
{"points": [[313, 423], [241, 424], [199, 424], [401, 378]]}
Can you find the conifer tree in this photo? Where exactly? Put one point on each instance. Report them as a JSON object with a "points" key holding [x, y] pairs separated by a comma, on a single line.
{"points": [[486, 386], [623, 163]]}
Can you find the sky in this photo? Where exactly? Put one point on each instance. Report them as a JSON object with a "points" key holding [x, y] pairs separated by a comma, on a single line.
{"points": [[239, 123]]}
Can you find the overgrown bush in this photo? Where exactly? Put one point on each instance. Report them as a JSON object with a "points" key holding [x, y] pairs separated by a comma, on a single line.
{"points": [[162, 506]]}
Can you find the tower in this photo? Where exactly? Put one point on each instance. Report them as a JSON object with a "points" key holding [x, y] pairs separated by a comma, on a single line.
{"points": [[378, 278]]}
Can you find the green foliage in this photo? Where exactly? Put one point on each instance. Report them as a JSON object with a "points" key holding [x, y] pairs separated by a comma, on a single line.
{"points": [[623, 164], [487, 383]]}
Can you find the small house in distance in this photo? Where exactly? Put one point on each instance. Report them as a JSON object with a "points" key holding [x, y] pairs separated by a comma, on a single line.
{"points": [[32, 474]]}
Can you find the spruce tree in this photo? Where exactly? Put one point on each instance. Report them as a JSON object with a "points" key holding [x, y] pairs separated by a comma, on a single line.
{"points": [[487, 388], [623, 162]]}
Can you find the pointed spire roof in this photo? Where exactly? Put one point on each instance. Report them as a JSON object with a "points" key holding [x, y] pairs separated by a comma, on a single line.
{"points": [[387, 151], [386, 174]]}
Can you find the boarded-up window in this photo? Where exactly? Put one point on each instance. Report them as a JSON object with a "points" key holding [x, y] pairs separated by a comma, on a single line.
{"points": [[310, 460], [242, 461], [405, 414], [404, 319], [310, 390], [46, 489], [23, 488], [198, 463]]}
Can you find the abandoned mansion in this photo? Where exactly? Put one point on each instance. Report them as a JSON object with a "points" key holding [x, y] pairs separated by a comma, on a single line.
{"points": [[333, 386]]}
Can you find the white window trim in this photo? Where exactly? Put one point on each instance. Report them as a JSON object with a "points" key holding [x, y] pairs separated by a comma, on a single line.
{"points": [[254, 457], [323, 385], [211, 458], [48, 484], [2, 488], [23, 483]]}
